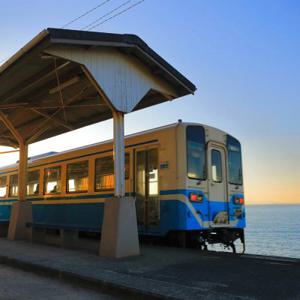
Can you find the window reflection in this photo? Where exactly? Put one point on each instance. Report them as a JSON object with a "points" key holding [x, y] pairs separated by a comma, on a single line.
{"points": [[104, 172], [13, 185], [52, 180], [153, 172], [196, 152], [216, 165], [77, 177], [3, 186], [33, 179]]}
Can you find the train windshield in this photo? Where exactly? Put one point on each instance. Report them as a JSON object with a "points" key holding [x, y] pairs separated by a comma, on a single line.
{"points": [[234, 161], [195, 137]]}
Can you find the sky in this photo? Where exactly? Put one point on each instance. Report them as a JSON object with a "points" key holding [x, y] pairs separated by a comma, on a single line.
{"points": [[243, 56]]}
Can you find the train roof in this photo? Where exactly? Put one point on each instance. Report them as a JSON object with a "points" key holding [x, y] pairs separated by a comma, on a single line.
{"points": [[54, 153]]}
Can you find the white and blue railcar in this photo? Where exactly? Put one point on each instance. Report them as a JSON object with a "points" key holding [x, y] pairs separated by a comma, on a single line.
{"points": [[186, 177]]}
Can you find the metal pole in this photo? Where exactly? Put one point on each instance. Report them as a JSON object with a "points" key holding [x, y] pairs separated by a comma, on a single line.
{"points": [[119, 154], [22, 177]]}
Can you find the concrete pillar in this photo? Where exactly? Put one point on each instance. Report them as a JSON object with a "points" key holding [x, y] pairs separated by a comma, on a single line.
{"points": [[21, 212], [119, 235]]}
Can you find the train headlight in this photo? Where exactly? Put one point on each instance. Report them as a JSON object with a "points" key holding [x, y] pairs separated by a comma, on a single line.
{"points": [[194, 197]]}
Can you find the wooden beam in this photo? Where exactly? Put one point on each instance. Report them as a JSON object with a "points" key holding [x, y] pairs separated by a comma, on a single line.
{"points": [[9, 151], [60, 90], [45, 126], [23, 154], [33, 124], [12, 105], [11, 128], [9, 143], [69, 106], [119, 154], [36, 81], [55, 119], [22, 174]]}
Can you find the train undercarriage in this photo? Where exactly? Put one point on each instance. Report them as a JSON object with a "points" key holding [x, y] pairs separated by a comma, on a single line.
{"points": [[201, 239]]}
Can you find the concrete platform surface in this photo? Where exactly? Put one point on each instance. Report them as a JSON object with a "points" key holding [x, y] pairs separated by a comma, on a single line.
{"points": [[20, 285], [164, 272]]}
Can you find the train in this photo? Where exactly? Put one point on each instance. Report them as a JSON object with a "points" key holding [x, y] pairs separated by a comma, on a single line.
{"points": [[186, 178]]}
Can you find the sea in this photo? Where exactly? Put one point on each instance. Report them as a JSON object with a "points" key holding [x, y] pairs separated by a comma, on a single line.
{"points": [[273, 230]]}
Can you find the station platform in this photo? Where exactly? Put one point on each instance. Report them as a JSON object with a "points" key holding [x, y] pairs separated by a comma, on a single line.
{"points": [[163, 272]]}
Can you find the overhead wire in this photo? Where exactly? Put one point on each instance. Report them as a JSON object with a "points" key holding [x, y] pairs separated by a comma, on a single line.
{"points": [[94, 24], [85, 14], [116, 15], [105, 15]]}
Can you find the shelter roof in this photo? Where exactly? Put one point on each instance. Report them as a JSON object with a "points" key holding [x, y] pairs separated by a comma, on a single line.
{"points": [[48, 87]]}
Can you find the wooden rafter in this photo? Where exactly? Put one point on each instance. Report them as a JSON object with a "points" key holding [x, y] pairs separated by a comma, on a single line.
{"points": [[12, 105], [40, 78], [11, 128], [69, 106], [61, 97], [9, 151], [9, 143], [55, 119], [45, 125]]}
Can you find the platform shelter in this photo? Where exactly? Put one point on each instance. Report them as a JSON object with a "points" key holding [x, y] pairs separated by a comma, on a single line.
{"points": [[63, 80]]}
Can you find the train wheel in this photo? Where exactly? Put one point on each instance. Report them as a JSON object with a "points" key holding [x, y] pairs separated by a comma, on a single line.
{"points": [[203, 247], [232, 246]]}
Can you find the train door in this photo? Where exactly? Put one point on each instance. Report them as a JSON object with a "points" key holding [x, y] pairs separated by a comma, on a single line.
{"points": [[217, 185], [147, 190]]}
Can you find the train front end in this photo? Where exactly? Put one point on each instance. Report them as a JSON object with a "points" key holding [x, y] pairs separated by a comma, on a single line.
{"points": [[214, 187]]}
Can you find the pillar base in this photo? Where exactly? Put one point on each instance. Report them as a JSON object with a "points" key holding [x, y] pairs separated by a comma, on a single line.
{"points": [[21, 214], [119, 236]]}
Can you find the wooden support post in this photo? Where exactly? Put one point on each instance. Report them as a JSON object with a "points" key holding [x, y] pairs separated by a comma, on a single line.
{"points": [[21, 212], [119, 154], [22, 178], [119, 234]]}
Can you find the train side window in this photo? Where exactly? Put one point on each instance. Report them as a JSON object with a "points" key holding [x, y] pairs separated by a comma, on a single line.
{"points": [[52, 180], [3, 187], [196, 165], [104, 172], [13, 185], [33, 186], [216, 165], [77, 177]]}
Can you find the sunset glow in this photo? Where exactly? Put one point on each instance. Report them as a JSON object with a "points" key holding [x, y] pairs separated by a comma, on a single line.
{"points": [[242, 58]]}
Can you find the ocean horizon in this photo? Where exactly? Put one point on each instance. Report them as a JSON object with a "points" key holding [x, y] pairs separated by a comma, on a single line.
{"points": [[273, 229]]}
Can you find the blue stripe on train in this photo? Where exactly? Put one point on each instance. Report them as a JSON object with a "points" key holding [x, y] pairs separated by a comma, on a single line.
{"points": [[174, 214], [84, 215], [5, 211]]}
